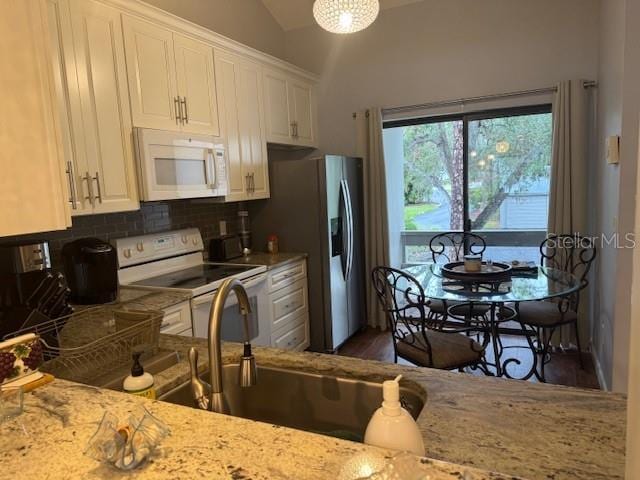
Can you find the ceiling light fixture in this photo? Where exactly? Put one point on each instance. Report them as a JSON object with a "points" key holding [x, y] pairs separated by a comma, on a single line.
{"points": [[502, 146], [345, 16]]}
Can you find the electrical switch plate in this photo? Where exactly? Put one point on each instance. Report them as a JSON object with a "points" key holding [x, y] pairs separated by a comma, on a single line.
{"points": [[613, 149]]}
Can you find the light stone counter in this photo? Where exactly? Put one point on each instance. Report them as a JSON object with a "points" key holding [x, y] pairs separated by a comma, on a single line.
{"points": [[520, 429], [525, 429], [48, 439]]}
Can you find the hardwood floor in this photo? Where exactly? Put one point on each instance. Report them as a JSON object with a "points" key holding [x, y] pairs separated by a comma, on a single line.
{"points": [[563, 369]]}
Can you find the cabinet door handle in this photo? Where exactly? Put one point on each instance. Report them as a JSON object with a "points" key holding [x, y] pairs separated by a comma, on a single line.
{"points": [[293, 129], [72, 186], [253, 183], [97, 179], [185, 118], [87, 178], [178, 107], [247, 179]]}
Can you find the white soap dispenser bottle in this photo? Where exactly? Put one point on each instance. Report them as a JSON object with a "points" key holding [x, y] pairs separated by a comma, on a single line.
{"points": [[391, 426]]}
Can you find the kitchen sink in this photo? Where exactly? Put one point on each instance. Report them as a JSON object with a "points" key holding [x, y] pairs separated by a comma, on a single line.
{"points": [[334, 406]]}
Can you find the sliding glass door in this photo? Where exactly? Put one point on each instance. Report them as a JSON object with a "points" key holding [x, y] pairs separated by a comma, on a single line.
{"points": [[433, 192], [484, 172]]}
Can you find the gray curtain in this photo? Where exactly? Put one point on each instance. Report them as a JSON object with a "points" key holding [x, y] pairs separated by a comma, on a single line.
{"points": [[569, 168], [375, 201]]}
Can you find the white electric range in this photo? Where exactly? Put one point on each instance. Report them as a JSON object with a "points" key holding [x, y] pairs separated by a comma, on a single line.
{"points": [[174, 261]]}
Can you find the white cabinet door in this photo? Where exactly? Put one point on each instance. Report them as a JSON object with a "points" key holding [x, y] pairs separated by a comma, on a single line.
{"points": [[253, 143], [68, 100], [109, 179], [290, 110], [302, 107], [227, 72], [33, 194], [196, 86], [239, 91], [278, 124], [151, 73]]}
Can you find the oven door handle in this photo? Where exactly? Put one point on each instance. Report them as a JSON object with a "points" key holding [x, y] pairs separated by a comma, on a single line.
{"points": [[253, 281], [208, 298], [232, 300]]}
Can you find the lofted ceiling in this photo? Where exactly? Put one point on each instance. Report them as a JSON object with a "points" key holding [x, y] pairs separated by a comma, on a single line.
{"points": [[292, 14]]}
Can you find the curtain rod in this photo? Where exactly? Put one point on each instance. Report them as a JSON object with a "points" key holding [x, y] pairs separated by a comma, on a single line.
{"points": [[462, 101]]}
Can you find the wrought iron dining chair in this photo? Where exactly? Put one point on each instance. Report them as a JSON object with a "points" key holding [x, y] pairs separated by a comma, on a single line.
{"points": [[572, 254], [419, 338], [449, 247]]}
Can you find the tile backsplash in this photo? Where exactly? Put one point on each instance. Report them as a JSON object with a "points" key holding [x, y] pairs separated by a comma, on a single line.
{"points": [[152, 217]]}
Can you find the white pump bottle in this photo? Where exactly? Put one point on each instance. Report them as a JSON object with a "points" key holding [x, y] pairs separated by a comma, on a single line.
{"points": [[391, 426]]}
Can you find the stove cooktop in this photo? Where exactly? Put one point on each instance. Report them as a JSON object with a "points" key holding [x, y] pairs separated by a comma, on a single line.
{"points": [[194, 277]]}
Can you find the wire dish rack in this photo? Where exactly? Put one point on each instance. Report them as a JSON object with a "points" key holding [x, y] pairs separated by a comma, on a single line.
{"points": [[95, 341]]}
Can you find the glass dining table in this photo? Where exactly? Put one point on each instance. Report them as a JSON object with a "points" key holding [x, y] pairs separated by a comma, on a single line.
{"points": [[500, 299]]}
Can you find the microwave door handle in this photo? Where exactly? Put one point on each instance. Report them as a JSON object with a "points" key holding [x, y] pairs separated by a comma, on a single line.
{"points": [[210, 170]]}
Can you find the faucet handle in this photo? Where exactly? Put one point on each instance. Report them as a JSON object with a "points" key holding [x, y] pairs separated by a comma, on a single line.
{"points": [[199, 389]]}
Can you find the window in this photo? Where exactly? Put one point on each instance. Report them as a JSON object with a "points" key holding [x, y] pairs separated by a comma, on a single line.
{"points": [[483, 172]]}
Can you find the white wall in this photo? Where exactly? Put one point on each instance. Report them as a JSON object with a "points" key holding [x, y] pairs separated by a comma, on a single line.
{"points": [[435, 50], [610, 72], [246, 21], [633, 403], [627, 196]]}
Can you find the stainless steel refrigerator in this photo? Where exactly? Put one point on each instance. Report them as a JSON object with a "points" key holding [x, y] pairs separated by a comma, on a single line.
{"points": [[316, 206]]}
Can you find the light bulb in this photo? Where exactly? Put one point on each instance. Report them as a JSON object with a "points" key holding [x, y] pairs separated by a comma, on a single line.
{"points": [[346, 19]]}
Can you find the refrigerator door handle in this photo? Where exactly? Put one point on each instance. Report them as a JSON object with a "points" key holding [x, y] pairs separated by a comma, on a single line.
{"points": [[350, 242], [344, 218]]}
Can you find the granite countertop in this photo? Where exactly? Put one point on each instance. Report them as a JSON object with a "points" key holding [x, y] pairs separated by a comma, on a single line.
{"points": [[269, 260], [141, 299], [521, 429], [48, 439], [531, 430]]}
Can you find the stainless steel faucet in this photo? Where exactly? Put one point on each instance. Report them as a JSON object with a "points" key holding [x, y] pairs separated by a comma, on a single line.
{"points": [[211, 396]]}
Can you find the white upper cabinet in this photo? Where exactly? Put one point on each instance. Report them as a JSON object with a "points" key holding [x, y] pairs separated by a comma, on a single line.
{"points": [[290, 108], [93, 102], [279, 125], [196, 85], [33, 197], [104, 168], [171, 79], [302, 104], [152, 76], [239, 87]]}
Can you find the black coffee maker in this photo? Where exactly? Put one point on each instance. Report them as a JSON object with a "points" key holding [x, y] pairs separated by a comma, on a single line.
{"points": [[91, 269]]}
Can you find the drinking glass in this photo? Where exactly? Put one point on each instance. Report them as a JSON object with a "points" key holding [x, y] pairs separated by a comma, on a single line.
{"points": [[11, 402]]}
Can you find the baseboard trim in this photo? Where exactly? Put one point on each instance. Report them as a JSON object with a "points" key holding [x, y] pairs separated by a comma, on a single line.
{"points": [[599, 373]]}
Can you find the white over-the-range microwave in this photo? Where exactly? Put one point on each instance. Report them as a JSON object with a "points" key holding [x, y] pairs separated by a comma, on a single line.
{"points": [[173, 165]]}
